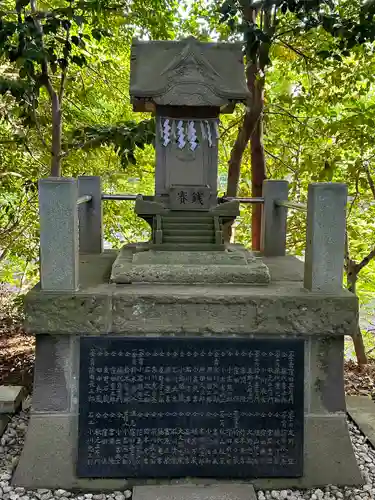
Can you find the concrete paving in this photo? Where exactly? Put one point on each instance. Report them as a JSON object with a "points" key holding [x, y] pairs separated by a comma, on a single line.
{"points": [[224, 491], [362, 410]]}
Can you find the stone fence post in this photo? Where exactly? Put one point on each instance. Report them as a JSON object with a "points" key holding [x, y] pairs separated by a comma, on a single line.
{"points": [[325, 236], [58, 233], [273, 237], [90, 215]]}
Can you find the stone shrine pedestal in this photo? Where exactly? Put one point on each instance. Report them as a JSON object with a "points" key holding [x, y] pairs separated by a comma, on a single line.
{"points": [[283, 309]]}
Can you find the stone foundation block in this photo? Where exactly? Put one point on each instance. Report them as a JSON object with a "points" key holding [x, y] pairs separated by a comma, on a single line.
{"points": [[56, 373], [10, 398]]}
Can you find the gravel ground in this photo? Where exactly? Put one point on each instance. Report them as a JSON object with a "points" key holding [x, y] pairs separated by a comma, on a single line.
{"points": [[12, 441]]}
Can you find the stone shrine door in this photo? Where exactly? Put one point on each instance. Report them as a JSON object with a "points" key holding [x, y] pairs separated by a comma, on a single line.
{"points": [[184, 167]]}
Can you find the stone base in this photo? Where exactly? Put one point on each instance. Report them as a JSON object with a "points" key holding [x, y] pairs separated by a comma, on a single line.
{"points": [[49, 455], [281, 310], [147, 265]]}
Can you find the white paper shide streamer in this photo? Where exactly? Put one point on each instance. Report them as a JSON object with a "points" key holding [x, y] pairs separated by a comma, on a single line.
{"points": [[166, 133], [181, 135], [184, 132], [209, 133], [216, 125], [192, 136]]}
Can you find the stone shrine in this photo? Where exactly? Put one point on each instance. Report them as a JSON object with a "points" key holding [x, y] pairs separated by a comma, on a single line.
{"points": [[184, 359], [187, 85]]}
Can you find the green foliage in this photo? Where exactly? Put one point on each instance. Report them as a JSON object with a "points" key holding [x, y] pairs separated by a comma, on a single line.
{"points": [[40, 43], [124, 138], [318, 116]]}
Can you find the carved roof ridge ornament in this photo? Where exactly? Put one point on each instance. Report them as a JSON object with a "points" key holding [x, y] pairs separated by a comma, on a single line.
{"points": [[190, 51]]}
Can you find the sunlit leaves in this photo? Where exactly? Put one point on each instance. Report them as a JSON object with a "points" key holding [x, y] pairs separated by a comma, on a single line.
{"points": [[124, 138]]}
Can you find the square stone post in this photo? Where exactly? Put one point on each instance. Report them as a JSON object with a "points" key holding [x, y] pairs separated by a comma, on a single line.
{"points": [[325, 236], [58, 233], [273, 237], [90, 215]]}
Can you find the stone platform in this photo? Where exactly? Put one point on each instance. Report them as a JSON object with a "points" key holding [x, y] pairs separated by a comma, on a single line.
{"points": [[283, 309], [142, 264]]}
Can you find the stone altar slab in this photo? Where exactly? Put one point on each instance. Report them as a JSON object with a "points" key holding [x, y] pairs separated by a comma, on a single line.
{"points": [[234, 265]]}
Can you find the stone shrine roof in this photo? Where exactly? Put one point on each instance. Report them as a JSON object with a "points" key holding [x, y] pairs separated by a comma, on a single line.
{"points": [[187, 73]]}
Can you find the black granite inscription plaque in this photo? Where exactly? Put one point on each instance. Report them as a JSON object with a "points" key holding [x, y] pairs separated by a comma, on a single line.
{"points": [[175, 407]]}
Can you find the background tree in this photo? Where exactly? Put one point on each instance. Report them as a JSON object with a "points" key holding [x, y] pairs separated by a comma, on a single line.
{"points": [[46, 47], [278, 22]]}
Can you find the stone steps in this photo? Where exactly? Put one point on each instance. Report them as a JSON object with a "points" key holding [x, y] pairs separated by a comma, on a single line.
{"points": [[185, 238], [207, 219], [189, 247], [188, 226], [188, 233]]}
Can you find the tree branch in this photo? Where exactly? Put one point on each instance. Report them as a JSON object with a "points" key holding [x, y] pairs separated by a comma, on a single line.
{"points": [[81, 145], [237, 122], [291, 115], [370, 180], [347, 256], [38, 126], [366, 260], [278, 159], [64, 71], [296, 51]]}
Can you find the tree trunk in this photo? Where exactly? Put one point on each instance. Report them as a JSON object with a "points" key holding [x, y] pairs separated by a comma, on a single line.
{"points": [[56, 136], [359, 347], [244, 133], [252, 127], [249, 123], [258, 171]]}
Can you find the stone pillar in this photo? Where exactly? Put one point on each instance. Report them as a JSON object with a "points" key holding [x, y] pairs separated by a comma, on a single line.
{"points": [[325, 236], [273, 238], [90, 215], [58, 234]]}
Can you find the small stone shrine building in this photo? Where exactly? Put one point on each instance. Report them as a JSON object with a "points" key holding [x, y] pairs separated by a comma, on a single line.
{"points": [[185, 359]]}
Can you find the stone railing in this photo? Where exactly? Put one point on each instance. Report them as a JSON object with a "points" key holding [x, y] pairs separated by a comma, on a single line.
{"points": [[325, 230], [70, 212], [71, 223]]}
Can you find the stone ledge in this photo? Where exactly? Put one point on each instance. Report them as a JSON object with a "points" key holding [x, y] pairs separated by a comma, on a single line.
{"points": [[280, 308], [99, 307]]}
